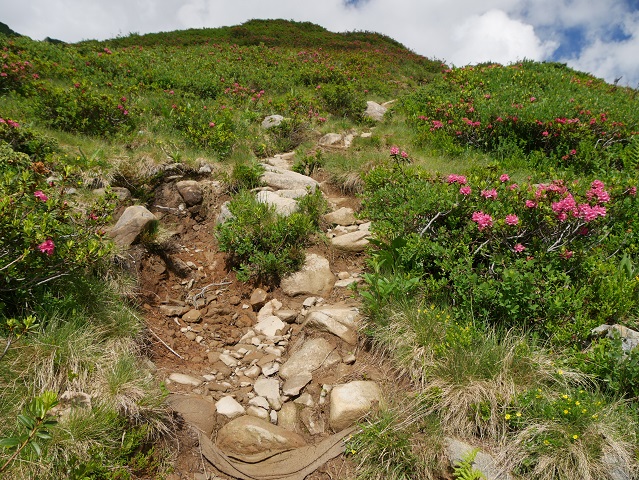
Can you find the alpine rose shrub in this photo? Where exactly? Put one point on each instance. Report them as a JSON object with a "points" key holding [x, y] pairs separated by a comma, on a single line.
{"points": [[543, 255]]}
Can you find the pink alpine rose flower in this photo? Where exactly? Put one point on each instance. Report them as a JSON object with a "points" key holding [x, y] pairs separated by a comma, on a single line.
{"points": [[40, 195], [504, 177], [47, 247], [466, 190], [512, 219], [519, 248], [483, 220], [489, 194]]}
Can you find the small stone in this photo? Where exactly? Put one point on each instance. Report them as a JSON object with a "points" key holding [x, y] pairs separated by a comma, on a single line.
{"points": [[229, 407], [351, 401], [267, 387], [190, 335], [287, 316], [287, 416], [228, 360], [305, 399], [258, 298], [273, 417], [261, 402], [270, 369], [257, 412], [312, 421], [309, 302], [349, 359], [235, 300], [173, 310], [253, 372], [192, 316], [343, 275]]}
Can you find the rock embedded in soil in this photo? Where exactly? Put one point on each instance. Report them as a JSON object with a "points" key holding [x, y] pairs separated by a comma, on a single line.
{"points": [[344, 216], [283, 206], [192, 316], [331, 139], [134, 221], [184, 379], [294, 385], [485, 463], [272, 121], [252, 439], [375, 111], [198, 412], [351, 401], [336, 322], [258, 298], [308, 358], [352, 242], [173, 310], [190, 191], [280, 179], [314, 278]]}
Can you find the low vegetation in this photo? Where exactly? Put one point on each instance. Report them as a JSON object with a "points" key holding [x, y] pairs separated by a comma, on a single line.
{"points": [[503, 201]]}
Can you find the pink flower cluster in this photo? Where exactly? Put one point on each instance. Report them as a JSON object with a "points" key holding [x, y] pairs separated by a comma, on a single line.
{"points": [[512, 219], [483, 220], [465, 190], [597, 192], [10, 122], [47, 247], [489, 194], [453, 178], [394, 150], [40, 195]]}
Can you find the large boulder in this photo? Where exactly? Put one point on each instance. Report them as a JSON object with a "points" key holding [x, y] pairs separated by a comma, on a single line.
{"points": [[331, 139], [134, 221], [272, 121], [252, 439], [351, 401], [343, 216], [314, 278], [280, 179]]}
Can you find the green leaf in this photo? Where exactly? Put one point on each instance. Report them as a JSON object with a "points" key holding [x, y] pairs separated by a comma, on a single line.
{"points": [[9, 442], [36, 448], [28, 422]]}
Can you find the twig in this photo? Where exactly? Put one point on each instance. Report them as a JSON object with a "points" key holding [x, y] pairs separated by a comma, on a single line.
{"points": [[6, 348], [15, 261], [164, 343]]}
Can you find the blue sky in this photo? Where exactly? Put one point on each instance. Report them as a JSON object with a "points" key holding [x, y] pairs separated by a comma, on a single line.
{"points": [[596, 36]]}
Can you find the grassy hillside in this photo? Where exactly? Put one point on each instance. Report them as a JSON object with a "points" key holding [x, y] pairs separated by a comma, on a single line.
{"points": [[504, 206]]}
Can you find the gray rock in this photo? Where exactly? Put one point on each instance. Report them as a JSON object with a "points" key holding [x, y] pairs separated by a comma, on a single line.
{"points": [[272, 121], [342, 216], [258, 412], [229, 407], [198, 412], [271, 326], [252, 439], [184, 379], [486, 464], [287, 316], [283, 206], [134, 221], [375, 111], [314, 278], [225, 214], [351, 401], [352, 242], [295, 193], [308, 358], [293, 386], [190, 191], [280, 179], [629, 337], [331, 139], [340, 321], [268, 388]]}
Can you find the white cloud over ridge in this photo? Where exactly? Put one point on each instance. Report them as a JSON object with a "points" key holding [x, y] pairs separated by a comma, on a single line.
{"points": [[459, 32]]}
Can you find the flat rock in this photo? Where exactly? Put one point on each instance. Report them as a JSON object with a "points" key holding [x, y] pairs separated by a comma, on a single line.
{"points": [[229, 407], [271, 326], [340, 321], [486, 464], [192, 316], [134, 221], [342, 216], [173, 310], [268, 388], [252, 439], [352, 242], [184, 379], [280, 179], [283, 206], [375, 111], [313, 422], [272, 121], [314, 278], [351, 401], [190, 191], [308, 358], [287, 417], [293, 386], [198, 412], [331, 139]]}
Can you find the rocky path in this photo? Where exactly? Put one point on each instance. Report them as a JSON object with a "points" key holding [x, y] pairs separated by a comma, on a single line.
{"points": [[268, 382]]}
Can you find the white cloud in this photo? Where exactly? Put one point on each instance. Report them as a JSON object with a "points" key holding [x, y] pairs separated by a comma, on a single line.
{"points": [[461, 31], [493, 36]]}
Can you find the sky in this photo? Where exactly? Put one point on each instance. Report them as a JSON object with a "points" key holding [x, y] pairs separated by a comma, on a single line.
{"points": [[596, 36]]}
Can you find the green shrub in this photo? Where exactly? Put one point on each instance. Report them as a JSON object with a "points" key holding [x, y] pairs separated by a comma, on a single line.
{"points": [[343, 100], [83, 109], [245, 176], [42, 237], [26, 140], [263, 245], [540, 255]]}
